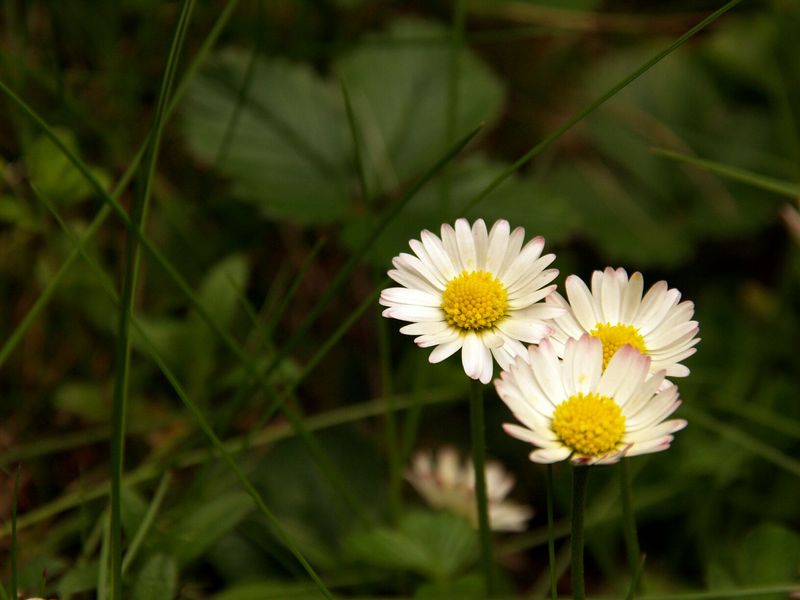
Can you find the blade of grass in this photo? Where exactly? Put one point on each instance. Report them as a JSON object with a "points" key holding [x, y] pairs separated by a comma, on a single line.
{"points": [[551, 540], [147, 521], [105, 551], [598, 102], [14, 546], [357, 147], [743, 440], [637, 575], [763, 416], [478, 439], [129, 287], [451, 105], [784, 188], [629, 519]]}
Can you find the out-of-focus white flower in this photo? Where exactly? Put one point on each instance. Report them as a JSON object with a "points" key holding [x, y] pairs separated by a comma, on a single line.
{"points": [[473, 290], [445, 481], [575, 409], [615, 312]]}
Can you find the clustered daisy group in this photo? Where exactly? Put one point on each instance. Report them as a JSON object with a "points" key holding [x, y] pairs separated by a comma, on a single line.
{"points": [[588, 376]]}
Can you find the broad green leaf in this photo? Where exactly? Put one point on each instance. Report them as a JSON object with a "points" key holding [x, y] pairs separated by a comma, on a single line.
{"points": [[83, 399], [290, 152], [222, 287], [157, 580], [199, 527], [398, 83], [438, 546]]}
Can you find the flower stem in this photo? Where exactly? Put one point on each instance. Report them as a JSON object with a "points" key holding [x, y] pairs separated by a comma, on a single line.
{"points": [[629, 518], [478, 427], [551, 541], [580, 478]]}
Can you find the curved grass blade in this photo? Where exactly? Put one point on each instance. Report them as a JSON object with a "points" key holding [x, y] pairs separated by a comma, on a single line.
{"points": [[147, 521], [123, 346], [784, 188], [597, 103]]}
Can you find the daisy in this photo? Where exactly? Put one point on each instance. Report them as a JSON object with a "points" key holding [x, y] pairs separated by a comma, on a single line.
{"points": [[572, 408], [474, 291], [615, 313], [444, 481]]}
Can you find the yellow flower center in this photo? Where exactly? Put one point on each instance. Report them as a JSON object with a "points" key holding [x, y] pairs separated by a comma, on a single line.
{"points": [[590, 424], [474, 300], [615, 337]]}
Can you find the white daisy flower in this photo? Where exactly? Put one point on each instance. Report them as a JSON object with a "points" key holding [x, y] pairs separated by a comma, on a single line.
{"points": [[444, 481], [574, 409], [474, 291], [615, 312]]}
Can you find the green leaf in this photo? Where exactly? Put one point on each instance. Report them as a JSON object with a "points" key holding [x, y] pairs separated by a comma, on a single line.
{"points": [[468, 587], [198, 528], [157, 580], [290, 152], [398, 85], [84, 400], [53, 175], [438, 546]]}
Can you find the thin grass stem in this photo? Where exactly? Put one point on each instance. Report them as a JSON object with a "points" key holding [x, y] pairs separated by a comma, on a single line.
{"points": [[123, 344], [14, 544], [451, 108], [478, 428], [147, 521], [551, 540], [629, 519], [580, 479], [636, 578]]}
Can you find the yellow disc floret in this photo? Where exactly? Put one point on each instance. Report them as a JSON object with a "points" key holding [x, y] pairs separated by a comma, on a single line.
{"points": [[474, 300], [589, 424], [615, 337]]}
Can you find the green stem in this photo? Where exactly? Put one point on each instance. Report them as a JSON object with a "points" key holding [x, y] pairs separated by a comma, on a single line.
{"points": [[478, 427], [580, 478], [14, 548], [551, 540], [628, 517]]}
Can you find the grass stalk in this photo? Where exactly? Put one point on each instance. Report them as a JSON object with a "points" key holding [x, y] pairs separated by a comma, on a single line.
{"points": [[551, 540], [123, 342], [14, 544], [629, 519], [478, 429], [147, 521], [580, 479], [453, 77]]}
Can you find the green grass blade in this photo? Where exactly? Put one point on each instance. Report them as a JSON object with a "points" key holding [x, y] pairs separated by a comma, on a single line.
{"points": [[123, 344], [14, 545], [784, 188], [147, 521], [105, 551], [637, 575], [355, 133], [451, 106], [597, 103]]}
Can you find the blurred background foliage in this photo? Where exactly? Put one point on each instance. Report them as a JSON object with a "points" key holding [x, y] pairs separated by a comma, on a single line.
{"points": [[268, 182]]}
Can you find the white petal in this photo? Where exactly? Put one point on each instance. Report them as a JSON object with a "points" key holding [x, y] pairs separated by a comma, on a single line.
{"points": [[541, 438], [512, 249], [472, 356], [498, 244], [546, 368], [582, 303], [659, 431], [435, 249], [566, 322], [524, 330], [391, 296], [631, 298], [414, 281], [522, 264], [583, 365], [481, 237], [445, 350], [450, 246], [424, 328], [436, 339], [626, 371], [425, 270], [466, 245], [405, 312], [550, 455], [611, 296], [649, 447]]}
